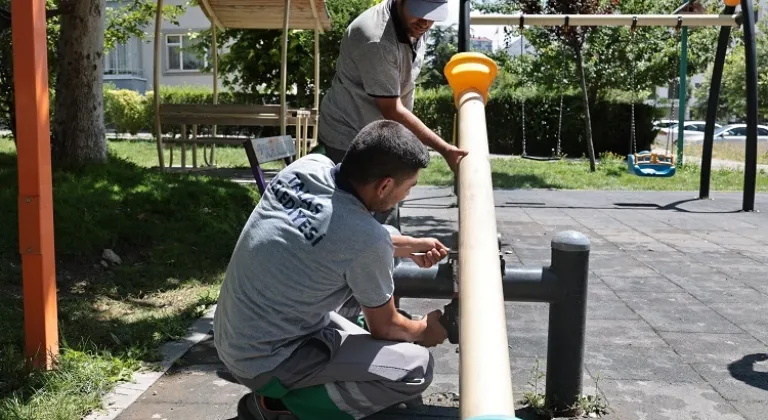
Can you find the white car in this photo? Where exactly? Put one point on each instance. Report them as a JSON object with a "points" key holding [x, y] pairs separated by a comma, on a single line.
{"points": [[659, 124], [691, 130], [733, 132]]}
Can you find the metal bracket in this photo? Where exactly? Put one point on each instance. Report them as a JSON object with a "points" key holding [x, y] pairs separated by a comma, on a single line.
{"points": [[450, 317]]}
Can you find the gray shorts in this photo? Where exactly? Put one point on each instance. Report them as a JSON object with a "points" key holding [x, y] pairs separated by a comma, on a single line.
{"points": [[359, 374]]}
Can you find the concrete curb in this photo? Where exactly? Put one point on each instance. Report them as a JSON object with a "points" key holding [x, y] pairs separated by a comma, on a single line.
{"points": [[126, 393]]}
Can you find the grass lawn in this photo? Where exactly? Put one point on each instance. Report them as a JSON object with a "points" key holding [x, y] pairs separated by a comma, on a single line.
{"points": [[174, 233], [729, 151], [611, 173]]}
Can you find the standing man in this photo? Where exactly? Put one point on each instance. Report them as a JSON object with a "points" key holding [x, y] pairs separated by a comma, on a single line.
{"points": [[379, 60]]}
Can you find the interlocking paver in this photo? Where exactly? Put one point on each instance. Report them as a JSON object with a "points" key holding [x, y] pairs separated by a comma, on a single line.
{"points": [[676, 320]]}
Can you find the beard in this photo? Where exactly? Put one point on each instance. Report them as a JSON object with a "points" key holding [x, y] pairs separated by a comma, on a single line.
{"points": [[384, 203], [416, 31]]}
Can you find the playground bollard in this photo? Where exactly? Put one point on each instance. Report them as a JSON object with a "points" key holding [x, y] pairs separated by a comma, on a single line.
{"points": [[563, 285], [567, 322]]}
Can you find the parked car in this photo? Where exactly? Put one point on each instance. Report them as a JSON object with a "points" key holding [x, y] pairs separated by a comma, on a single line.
{"points": [[659, 124], [733, 132], [691, 130]]}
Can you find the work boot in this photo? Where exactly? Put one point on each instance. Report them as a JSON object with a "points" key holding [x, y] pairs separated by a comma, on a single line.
{"points": [[255, 407]]}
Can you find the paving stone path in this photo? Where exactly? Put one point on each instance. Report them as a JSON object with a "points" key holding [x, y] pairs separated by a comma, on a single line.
{"points": [[677, 323]]}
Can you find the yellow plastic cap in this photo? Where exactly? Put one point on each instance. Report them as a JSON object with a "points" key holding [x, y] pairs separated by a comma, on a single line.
{"points": [[470, 70], [732, 3]]}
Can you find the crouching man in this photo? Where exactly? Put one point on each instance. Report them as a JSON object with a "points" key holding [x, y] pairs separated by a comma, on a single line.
{"points": [[309, 246]]}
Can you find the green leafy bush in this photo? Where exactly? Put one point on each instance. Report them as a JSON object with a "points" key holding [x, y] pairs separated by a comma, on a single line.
{"points": [[125, 110], [611, 121]]}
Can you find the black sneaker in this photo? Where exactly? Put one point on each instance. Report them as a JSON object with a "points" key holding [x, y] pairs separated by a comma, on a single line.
{"points": [[254, 407]]}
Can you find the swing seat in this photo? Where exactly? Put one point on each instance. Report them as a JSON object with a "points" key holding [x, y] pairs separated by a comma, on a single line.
{"points": [[650, 164], [540, 158]]}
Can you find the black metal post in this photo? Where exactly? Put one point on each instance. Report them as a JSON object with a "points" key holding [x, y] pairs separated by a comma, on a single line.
{"points": [[464, 46], [567, 323], [712, 105], [750, 49], [520, 284], [464, 7], [412, 281]]}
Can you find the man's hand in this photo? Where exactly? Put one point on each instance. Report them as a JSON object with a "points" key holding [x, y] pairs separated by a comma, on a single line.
{"points": [[393, 109], [434, 333], [432, 249], [453, 156]]}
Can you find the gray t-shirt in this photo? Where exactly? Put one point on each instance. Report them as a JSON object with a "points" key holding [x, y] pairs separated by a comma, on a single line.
{"points": [[307, 247], [376, 59]]}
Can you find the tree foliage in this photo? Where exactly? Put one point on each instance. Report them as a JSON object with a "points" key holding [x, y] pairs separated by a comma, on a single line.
{"points": [[122, 22], [610, 53], [253, 61], [7, 99], [732, 105], [442, 44], [573, 38]]}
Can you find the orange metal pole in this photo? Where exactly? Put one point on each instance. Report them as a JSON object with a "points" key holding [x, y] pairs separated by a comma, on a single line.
{"points": [[30, 70]]}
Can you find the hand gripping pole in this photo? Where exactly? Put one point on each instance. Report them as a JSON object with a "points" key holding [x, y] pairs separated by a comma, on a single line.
{"points": [[485, 381]]}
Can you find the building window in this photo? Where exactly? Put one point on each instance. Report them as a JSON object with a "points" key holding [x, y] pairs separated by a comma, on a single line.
{"points": [[124, 59], [180, 55]]}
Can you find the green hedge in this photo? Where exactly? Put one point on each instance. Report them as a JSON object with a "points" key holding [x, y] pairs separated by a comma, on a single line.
{"points": [[129, 112], [610, 123]]}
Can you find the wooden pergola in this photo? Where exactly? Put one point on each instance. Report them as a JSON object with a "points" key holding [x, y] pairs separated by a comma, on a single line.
{"points": [[249, 14]]}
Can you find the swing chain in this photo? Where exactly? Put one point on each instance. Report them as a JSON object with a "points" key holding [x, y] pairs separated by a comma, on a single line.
{"points": [[560, 120], [566, 26], [677, 80]]}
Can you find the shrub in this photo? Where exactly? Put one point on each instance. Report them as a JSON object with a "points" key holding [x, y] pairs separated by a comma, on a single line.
{"points": [[610, 118], [125, 110], [610, 122]]}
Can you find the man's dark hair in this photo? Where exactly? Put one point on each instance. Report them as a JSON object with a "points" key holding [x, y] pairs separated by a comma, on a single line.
{"points": [[382, 149]]}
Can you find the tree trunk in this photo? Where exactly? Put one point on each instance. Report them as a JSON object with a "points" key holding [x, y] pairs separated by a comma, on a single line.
{"points": [[78, 126], [587, 118]]}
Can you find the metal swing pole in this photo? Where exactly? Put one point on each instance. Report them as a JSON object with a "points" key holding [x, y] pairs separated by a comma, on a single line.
{"points": [[606, 20], [682, 94], [464, 46], [750, 52], [712, 103], [464, 21]]}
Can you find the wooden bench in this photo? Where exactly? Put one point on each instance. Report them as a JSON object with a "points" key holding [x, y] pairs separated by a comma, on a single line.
{"points": [[194, 115]]}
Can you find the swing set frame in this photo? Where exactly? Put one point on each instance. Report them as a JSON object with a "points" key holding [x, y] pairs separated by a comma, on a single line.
{"points": [[726, 20]]}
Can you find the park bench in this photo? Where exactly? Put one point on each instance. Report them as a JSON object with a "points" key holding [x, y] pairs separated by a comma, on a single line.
{"points": [[195, 115]]}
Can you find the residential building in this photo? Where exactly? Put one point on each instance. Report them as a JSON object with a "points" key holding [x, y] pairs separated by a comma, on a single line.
{"points": [[481, 44], [513, 49], [130, 65]]}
